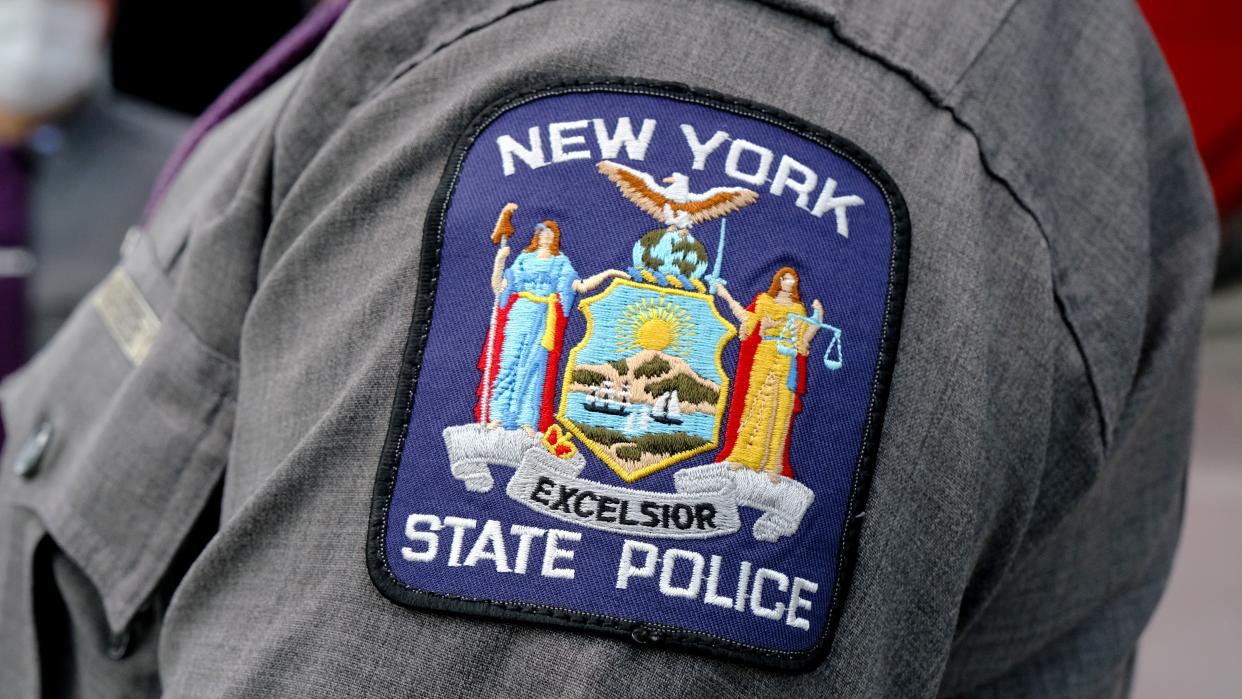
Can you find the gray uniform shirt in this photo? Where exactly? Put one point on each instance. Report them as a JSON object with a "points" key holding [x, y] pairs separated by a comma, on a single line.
{"points": [[91, 179], [197, 521]]}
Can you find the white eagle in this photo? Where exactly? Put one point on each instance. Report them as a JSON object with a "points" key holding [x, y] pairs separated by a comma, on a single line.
{"points": [[675, 205], [672, 253]]}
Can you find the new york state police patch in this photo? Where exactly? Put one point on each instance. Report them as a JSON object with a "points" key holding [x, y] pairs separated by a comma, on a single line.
{"points": [[645, 374]]}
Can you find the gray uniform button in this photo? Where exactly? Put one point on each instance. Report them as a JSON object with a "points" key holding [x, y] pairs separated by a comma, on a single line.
{"points": [[32, 451]]}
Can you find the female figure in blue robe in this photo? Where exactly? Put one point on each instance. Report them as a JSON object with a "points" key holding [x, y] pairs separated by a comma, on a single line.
{"points": [[519, 364]]}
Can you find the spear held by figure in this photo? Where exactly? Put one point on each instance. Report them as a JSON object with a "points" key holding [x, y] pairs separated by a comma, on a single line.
{"points": [[501, 232]]}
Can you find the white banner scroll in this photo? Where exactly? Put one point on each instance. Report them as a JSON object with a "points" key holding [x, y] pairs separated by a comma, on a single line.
{"points": [[704, 505]]}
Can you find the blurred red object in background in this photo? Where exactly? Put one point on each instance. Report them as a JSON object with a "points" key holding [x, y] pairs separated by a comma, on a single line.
{"points": [[1202, 41]]}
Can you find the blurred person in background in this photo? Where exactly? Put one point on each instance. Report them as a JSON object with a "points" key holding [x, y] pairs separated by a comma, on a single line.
{"points": [[64, 132]]}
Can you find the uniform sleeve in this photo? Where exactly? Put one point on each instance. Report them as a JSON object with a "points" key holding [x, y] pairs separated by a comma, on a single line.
{"points": [[1063, 614]]}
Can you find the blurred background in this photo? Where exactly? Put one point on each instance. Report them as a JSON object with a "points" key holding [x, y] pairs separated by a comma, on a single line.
{"points": [[102, 90], [99, 91]]}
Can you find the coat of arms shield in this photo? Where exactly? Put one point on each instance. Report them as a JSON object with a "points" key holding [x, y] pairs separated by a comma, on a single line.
{"points": [[645, 388]]}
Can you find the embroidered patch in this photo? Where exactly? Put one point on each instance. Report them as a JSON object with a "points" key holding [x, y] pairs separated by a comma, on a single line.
{"points": [[646, 372]]}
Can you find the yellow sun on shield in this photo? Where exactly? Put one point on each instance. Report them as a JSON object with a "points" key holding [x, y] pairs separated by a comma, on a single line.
{"points": [[655, 324], [646, 388]]}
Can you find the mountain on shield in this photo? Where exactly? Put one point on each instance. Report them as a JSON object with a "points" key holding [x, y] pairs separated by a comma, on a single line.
{"points": [[649, 375]]}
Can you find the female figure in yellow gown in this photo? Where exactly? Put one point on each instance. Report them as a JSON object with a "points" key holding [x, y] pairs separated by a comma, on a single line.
{"points": [[770, 377]]}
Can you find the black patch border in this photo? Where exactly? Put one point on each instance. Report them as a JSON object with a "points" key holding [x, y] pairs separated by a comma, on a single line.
{"points": [[420, 327]]}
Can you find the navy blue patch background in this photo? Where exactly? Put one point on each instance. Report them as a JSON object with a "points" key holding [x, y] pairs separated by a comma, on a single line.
{"points": [[599, 228]]}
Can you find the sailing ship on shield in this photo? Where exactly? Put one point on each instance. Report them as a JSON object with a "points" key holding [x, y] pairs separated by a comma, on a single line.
{"points": [[645, 388]]}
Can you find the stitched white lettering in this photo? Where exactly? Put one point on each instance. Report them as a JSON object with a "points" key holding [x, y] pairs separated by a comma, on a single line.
{"points": [[803, 186], [680, 575], [431, 540], [733, 162], [713, 582], [459, 525], [669, 567], [702, 149], [623, 135], [796, 602], [525, 534], [674, 572], [828, 202], [532, 155], [552, 551], [490, 546], [756, 594], [745, 160], [627, 569], [558, 141], [743, 579]]}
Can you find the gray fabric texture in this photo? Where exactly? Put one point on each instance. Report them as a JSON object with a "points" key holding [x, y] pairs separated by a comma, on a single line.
{"points": [[1027, 495]]}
